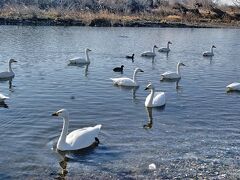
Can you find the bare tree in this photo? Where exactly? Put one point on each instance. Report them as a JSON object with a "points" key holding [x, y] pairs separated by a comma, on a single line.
{"points": [[236, 2]]}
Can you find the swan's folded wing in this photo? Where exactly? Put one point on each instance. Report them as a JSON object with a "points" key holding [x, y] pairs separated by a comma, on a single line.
{"points": [[163, 50], [167, 74], [82, 138], [77, 60], [6, 75], [123, 81], [159, 99], [148, 53]]}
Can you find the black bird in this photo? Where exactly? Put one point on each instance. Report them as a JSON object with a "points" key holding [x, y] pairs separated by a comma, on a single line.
{"points": [[118, 69], [130, 57]]}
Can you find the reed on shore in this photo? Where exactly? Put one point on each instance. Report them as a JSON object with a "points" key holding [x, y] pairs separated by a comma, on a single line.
{"points": [[163, 15]]}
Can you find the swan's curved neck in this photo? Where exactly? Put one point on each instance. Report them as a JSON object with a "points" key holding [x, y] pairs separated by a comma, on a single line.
{"points": [[135, 76], [153, 50], [62, 138], [151, 97], [212, 50], [168, 45], [10, 67], [178, 69], [87, 57]]}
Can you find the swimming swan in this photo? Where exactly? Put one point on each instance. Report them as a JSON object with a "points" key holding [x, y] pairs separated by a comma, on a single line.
{"points": [[8, 74], [154, 99], [167, 49], [3, 98], [150, 53], [169, 75], [124, 81], [209, 53], [78, 139], [233, 87], [79, 60]]}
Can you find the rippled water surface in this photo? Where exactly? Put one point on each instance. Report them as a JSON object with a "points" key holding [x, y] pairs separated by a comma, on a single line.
{"points": [[196, 134]]}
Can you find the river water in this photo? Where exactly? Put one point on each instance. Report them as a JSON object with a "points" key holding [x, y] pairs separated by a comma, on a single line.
{"points": [[196, 135]]}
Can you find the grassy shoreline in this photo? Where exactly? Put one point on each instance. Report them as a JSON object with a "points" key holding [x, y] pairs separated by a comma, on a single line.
{"points": [[58, 17]]}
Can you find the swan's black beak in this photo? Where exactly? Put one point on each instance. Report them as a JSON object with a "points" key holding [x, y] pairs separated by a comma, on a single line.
{"points": [[146, 88], [55, 114], [141, 71], [14, 61]]}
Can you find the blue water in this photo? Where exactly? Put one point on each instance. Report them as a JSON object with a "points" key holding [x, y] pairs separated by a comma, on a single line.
{"points": [[196, 135]]}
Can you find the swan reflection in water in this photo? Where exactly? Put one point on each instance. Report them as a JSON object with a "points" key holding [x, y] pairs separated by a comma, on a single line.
{"points": [[129, 88], [150, 116], [177, 81], [3, 105], [68, 156], [10, 86], [81, 66]]}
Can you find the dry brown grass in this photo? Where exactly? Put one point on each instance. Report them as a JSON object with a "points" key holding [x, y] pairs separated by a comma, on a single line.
{"points": [[162, 14]]}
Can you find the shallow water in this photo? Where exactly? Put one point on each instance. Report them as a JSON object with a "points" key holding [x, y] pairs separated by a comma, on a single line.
{"points": [[195, 135]]}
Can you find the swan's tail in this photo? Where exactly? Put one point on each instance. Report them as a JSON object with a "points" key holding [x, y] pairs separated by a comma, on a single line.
{"points": [[114, 80], [3, 97]]}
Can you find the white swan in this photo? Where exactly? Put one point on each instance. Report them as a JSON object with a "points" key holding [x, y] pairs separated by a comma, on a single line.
{"points": [[233, 87], [79, 60], [8, 74], [209, 53], [3, 98], [124, 81], [167, 49], [154, 99], [150, 53], [169, 75], [78, 139]]}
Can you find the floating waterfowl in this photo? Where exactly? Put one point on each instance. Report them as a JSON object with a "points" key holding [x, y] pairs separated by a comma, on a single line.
{"points": [[150, 53], [124, 81], [79, 60], [130, 57], [78, 139], [165, 49], [154, 99], [169, 75], [118, 69], [233, 87], [8, 74], [209, 53]]}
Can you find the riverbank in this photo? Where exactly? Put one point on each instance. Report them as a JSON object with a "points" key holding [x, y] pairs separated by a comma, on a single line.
{"points": [[53, 17], [100, 22]]}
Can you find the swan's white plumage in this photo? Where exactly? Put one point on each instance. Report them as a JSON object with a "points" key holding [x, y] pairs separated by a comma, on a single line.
{"points": [[233, 87], [82, 138], [155, 99], [2, 97], [125, 81], [8, 74], [150, 53], [77, 139], [170, 75], [158, 99], [80, 60]]}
